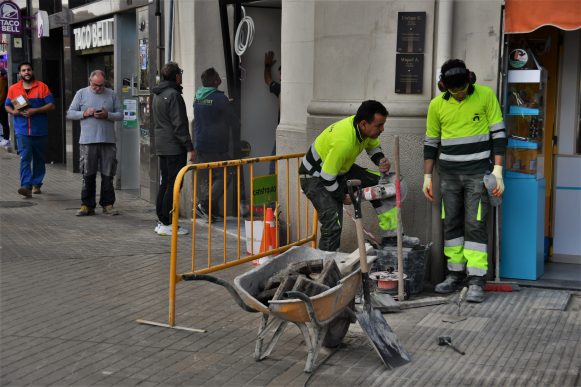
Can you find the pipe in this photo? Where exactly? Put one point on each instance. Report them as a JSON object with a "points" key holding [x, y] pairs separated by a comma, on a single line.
{"points": [[168, 17], [158, 32], [442, 52], [169, 33], [227, 48], [444, 36], [28, 31]]}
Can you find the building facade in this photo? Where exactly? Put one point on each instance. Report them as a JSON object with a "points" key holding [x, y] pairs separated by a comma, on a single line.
{"points": [[334, 54]]}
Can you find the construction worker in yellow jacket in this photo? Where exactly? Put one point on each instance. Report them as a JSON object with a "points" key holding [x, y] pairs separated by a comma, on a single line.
{"points": [[330, 162], [465, 123]]}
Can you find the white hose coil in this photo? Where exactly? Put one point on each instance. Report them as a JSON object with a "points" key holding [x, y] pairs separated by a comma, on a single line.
{"points": [[244, 34]]}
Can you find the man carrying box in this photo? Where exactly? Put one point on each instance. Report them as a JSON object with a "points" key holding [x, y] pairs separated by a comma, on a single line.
{"points": [[29, 101]]}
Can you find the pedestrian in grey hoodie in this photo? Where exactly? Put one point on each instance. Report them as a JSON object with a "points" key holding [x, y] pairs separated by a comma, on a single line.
{"points": [[173, 143]]}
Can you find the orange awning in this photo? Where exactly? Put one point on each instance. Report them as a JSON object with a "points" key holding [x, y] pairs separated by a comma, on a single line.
{"points": [[528, 15]]}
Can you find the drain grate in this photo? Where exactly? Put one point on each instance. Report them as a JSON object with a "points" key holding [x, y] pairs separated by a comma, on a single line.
{"points": [[16, 204]]}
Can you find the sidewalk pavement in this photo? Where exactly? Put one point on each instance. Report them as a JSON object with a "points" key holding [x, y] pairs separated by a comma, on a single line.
{"points": [[72, 287]]}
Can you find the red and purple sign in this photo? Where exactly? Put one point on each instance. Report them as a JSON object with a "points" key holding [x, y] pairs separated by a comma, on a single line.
{"points": [[10, 21]]}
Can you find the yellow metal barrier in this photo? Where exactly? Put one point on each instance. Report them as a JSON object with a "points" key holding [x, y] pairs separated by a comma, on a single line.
{"points": [[292, 180]]}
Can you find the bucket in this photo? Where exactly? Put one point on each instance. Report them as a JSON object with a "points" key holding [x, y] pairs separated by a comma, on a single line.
{"points": [[414, 262], [258, 226]]}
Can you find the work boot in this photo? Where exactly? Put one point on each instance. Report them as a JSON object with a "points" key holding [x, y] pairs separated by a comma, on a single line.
{"points": [[475, 288], [475, 293], [36, 190], [85, 211], [453, 282]]}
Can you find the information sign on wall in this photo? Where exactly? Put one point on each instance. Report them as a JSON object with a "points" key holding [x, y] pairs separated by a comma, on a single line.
{"points": [[409, 73], [130, 113], [10, 21], [411, 32]]}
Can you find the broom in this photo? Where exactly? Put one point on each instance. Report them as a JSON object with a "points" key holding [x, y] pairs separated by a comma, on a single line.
{"points": [[497, 285]]}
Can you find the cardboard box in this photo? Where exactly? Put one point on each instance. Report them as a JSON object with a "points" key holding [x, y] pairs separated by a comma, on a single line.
{"points": [[20, 102]]}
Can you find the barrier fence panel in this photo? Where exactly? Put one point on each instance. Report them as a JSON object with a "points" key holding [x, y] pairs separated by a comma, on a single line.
{"points": [[286, 167]]}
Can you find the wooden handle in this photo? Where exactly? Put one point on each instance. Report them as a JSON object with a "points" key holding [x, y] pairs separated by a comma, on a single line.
{"points": [[361, 245], [400, 290]]}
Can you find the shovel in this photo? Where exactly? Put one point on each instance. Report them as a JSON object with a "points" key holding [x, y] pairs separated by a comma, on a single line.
{"points": [[381, 336]]}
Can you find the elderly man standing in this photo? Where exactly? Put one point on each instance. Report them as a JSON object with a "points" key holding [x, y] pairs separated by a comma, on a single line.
{"points": [[97, 107]]}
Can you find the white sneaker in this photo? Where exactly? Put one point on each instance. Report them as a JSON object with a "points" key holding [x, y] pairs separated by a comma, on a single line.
{"points": [[4, 143], [167, 231], [156, 229]]}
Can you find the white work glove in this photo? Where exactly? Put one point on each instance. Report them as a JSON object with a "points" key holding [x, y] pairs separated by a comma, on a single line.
{"points": [[427, 188], [497, 172]]}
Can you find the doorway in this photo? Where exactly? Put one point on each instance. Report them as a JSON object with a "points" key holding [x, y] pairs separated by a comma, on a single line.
{"points": [[559, 155]]}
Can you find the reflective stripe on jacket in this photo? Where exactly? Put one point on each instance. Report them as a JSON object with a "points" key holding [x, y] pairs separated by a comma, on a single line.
{"points": [[467, 132], [335, 150]]}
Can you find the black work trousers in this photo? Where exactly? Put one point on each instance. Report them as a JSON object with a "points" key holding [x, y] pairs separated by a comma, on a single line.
{"points": [[169, 167], [94, 158], [330, 208]]}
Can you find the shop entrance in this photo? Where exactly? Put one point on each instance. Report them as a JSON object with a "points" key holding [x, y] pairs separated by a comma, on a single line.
{"points": [[542, 113]]}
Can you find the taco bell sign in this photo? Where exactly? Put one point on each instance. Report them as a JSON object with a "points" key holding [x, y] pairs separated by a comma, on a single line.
{"points": [[10, 21]]}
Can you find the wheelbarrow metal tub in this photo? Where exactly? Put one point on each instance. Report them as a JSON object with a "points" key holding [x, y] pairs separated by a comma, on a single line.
{"points": [[248, 285], [327, 308]]}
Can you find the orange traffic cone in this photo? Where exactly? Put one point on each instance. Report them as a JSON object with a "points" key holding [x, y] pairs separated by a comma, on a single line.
{"points": [[267, 233], [273, 229], [266, 243]]}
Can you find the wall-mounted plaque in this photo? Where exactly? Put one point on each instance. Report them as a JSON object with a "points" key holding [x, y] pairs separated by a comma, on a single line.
{"points": [[411, 32], [409, 73]]}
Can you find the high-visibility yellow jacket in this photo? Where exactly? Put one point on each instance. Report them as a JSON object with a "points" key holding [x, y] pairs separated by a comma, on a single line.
{"points": [[467, 131], [334, 152]]}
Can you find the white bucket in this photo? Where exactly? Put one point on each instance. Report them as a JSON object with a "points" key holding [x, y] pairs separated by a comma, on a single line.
{"points": [[258, 227]]}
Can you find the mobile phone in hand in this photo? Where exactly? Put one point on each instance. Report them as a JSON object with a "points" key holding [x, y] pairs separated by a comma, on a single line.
{"points": [[99, 111]]}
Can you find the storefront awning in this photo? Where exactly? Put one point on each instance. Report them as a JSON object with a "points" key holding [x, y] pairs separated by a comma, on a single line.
{"points": [[528, 15]]}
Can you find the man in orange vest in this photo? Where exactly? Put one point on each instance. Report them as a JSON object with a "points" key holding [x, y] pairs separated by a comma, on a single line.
{"points": [[29, 101]]}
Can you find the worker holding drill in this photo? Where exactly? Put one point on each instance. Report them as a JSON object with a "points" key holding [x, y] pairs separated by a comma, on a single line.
{"points": [[465, 123], [330, 162]]}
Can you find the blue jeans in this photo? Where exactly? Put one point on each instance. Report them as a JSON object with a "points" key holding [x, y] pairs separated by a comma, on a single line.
{"points": [[31, 150]]}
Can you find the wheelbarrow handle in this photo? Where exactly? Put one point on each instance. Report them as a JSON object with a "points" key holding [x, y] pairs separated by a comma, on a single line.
{"points": [[221, 282], [308, 303]]}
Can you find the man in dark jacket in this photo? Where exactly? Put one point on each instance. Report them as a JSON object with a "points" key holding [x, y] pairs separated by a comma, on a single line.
{"points": [[215, 122], [173, 143]]}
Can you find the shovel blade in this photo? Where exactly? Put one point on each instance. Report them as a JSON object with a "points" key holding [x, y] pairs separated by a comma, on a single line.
{"points": [[383, 338]]}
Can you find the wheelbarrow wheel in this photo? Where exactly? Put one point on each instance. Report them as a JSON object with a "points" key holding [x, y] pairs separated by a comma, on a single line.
{"points": [[338, 328]]}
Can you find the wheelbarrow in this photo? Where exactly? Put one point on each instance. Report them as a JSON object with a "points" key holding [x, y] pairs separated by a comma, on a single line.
{"points": [[322, 319]]}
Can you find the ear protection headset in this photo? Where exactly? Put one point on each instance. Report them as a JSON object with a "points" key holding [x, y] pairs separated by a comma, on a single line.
{"points": [[456, 71]]}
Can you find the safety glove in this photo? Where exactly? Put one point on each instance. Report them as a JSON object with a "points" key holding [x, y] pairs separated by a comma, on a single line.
{"points": [[497, 172], [427, 188]]}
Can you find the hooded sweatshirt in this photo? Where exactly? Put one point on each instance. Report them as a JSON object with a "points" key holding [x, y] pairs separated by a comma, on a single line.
{"points": [[215, 121], [170, 120]]}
